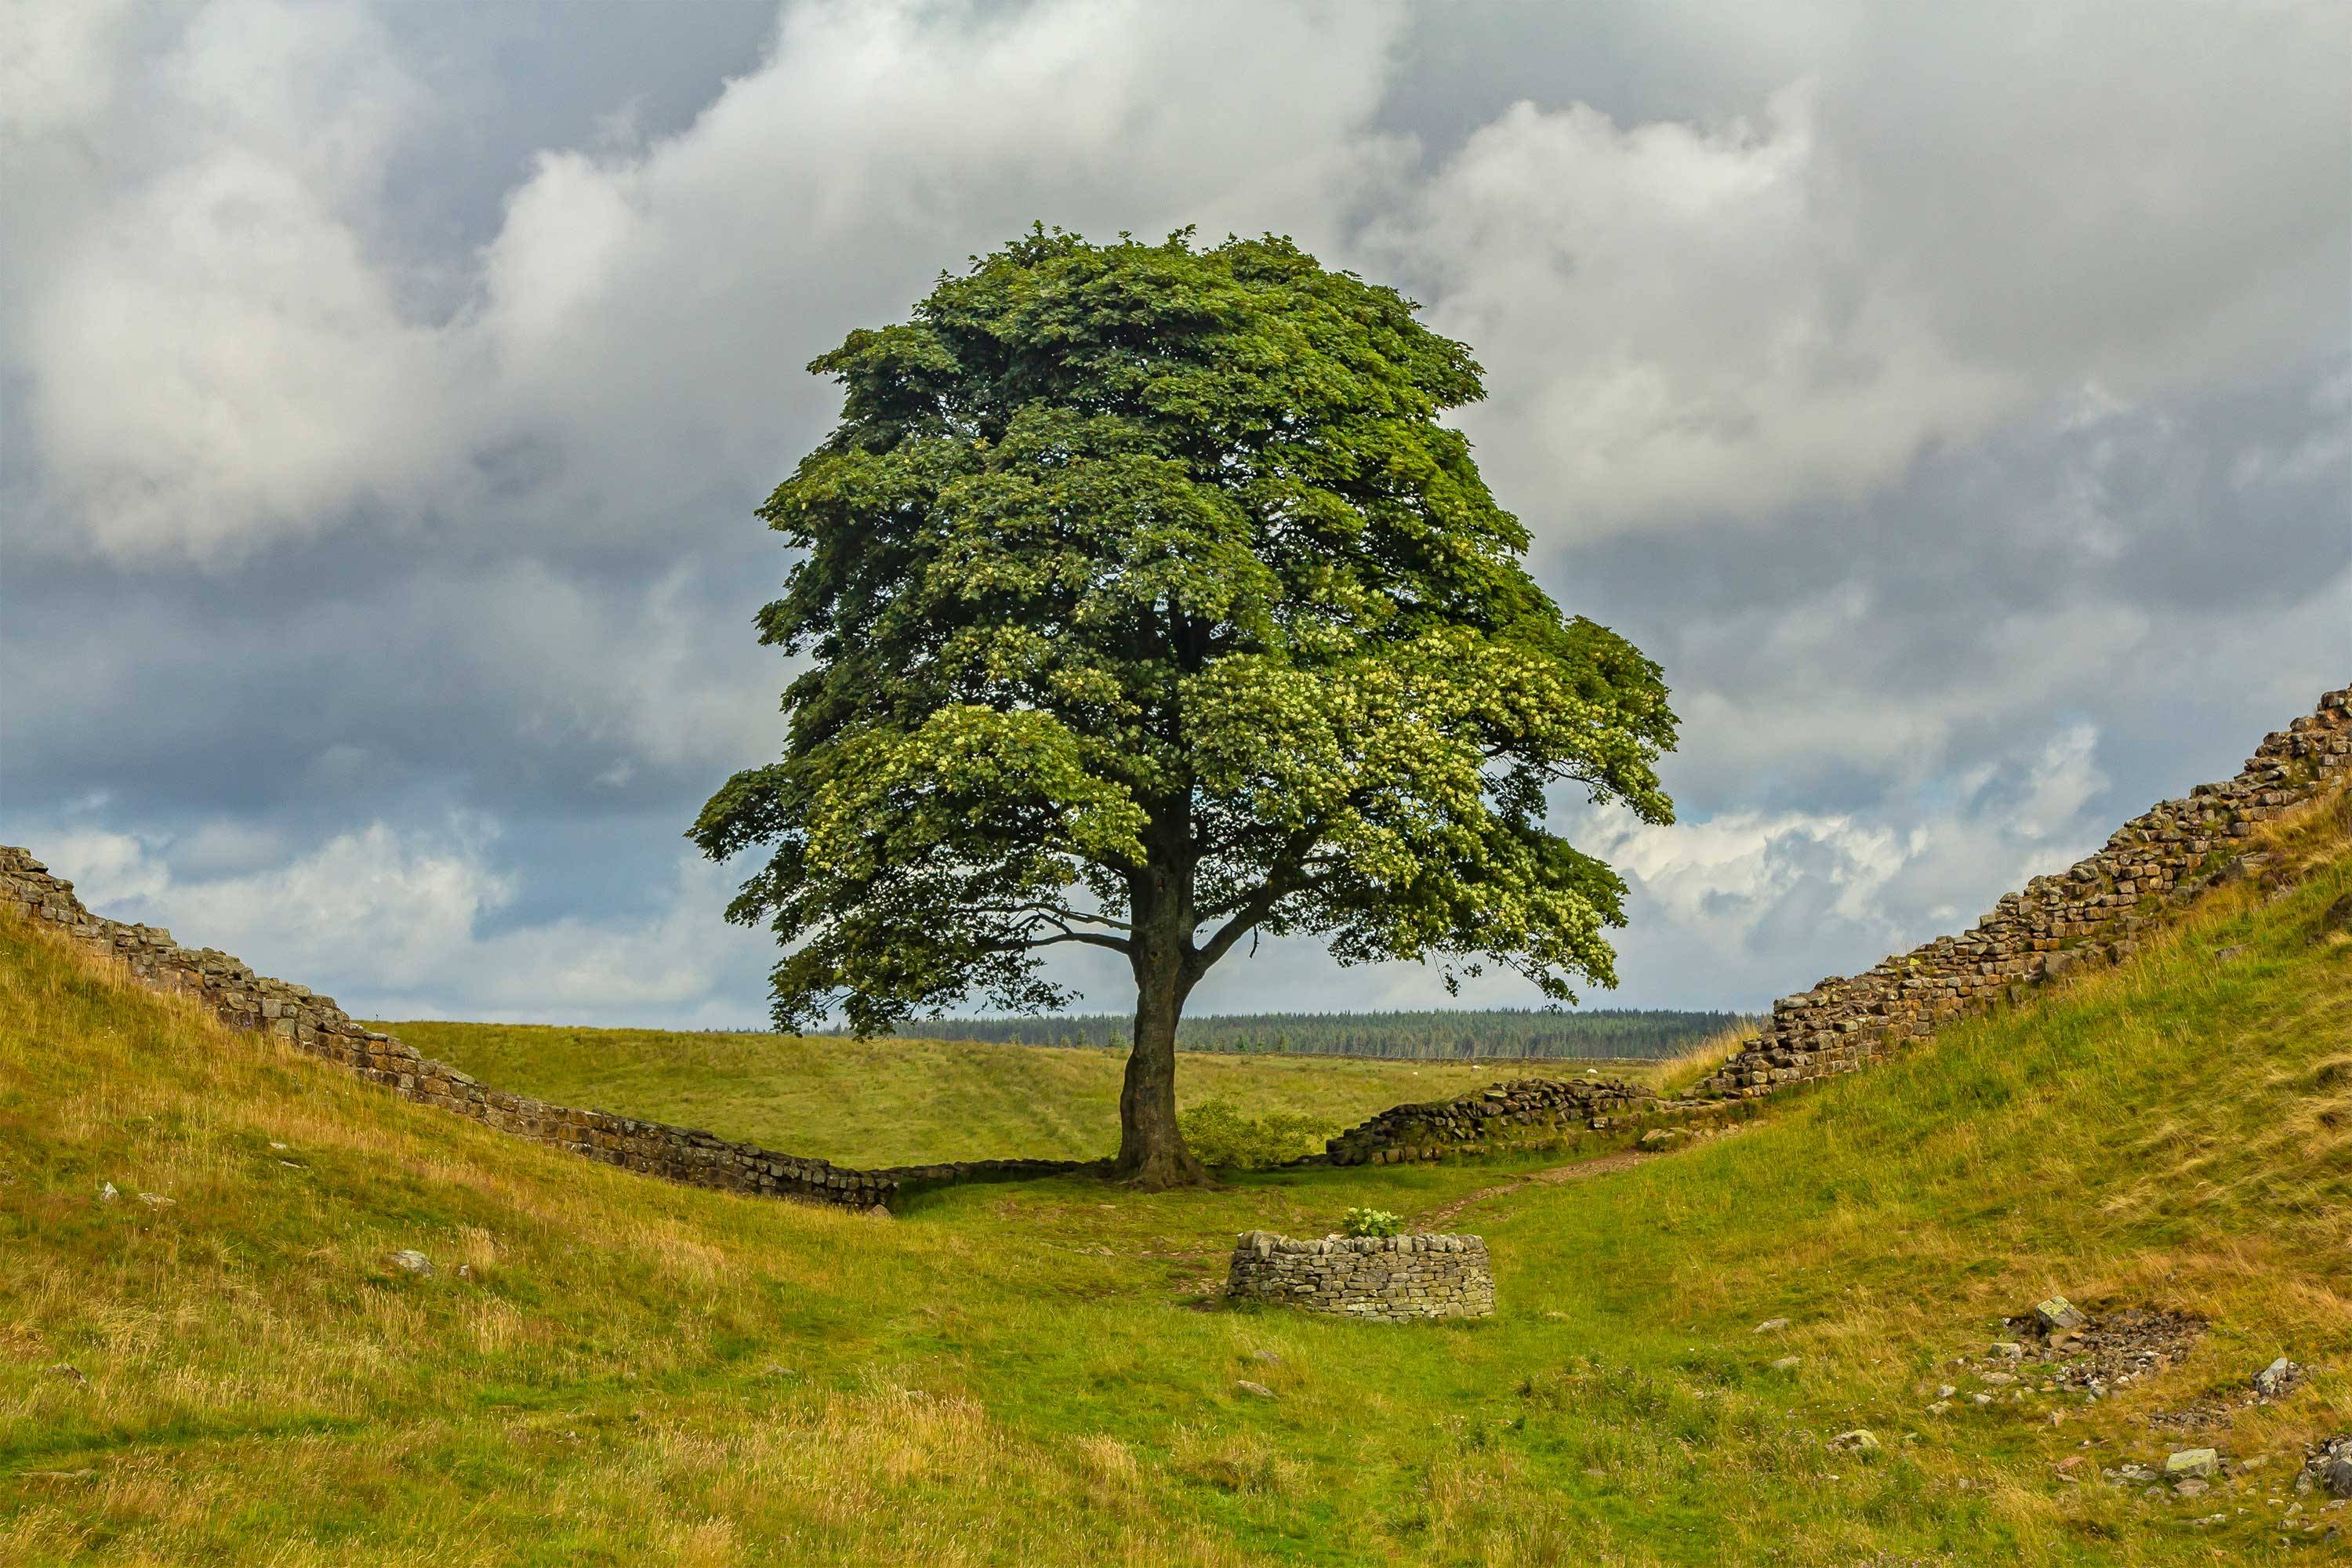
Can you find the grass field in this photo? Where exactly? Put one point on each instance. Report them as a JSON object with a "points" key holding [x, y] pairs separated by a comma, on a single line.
{"points": [[906, 1102], [624, 1371]]}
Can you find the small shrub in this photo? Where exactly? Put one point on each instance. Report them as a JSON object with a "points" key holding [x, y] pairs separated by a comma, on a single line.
{"points": [[1228, 1137], [1371, 1222]]}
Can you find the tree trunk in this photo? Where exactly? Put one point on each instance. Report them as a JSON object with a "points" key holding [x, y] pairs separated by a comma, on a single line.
{"points": [[1151, 1152]]}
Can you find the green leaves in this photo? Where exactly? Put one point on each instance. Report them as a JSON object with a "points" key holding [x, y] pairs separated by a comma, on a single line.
{"points": [[1148, 604]]}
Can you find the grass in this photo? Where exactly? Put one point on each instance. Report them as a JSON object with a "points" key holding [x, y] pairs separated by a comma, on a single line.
{"points": [[627, 1372], [910, 1101]]}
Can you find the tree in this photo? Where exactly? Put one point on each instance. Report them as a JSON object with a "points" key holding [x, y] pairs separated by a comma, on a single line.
{"points": [[1148, 606]]}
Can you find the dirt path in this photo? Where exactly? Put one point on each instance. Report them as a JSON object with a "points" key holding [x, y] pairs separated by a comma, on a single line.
{"points": [[1438, 1218]]}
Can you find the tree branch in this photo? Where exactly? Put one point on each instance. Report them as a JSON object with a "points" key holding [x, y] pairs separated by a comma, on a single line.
{"points": [[1287, 877], [1054, 912], [1093, 939]]}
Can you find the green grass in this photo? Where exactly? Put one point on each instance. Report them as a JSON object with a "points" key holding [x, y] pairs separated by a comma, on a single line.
{"points": [[632, 1373], [909, 1102]]}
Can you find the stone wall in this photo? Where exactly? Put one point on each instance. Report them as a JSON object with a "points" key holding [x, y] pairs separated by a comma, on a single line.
{"points": [[1386, 1277], [1527, 1110], [2092, 913], [312, 1022]]}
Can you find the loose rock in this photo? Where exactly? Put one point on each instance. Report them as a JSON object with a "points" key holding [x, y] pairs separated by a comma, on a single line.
{"points": [[409, 1261], [2281, 1377], [1258, 1389], [1861, 1440], [2058, 1316], [2192, 1463]]}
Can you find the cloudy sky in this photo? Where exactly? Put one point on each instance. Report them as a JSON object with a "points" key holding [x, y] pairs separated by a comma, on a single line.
{"points": [[1957, 401]]}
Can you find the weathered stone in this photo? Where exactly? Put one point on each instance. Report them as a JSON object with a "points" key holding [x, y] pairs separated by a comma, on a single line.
{"points": [[1861, 1440], [410, 1261], [1385, 1277], [2191, 1463], [2058, 1315], [2280, 1378]]}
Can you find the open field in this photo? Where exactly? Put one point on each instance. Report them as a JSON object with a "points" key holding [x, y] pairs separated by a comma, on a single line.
{"points": [[905, 1101], [630, 1372]]}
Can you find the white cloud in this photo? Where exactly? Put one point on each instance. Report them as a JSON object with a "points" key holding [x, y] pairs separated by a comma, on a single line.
{"points": [[1740, 906], [403, 924], [1678, 318], [57, 71]]}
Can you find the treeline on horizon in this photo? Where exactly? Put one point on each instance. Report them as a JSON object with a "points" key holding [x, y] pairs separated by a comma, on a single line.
{"points": [[1437, 1035]]}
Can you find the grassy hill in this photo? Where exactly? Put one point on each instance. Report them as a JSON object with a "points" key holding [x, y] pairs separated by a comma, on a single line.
{"points": [[898, 1102], [603, 1369]]}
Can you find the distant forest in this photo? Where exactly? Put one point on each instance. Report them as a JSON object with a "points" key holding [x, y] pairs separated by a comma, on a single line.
{"points": [[1443, 1035]]}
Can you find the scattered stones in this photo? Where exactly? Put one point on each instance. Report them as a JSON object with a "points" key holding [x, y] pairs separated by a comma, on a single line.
{"points": [[1771, 1326], [2008, 1350], [1388, 1279], [2106, 1351], [2327, 1467], [1861, 1440], [2192, 1487], [1658, 1138], [2281, 1378], [107, 1194], [1258, 1390], [410, 1261]]}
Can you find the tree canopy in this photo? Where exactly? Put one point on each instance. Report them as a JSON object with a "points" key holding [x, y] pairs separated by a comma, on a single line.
{"points": [[1148, 604]]}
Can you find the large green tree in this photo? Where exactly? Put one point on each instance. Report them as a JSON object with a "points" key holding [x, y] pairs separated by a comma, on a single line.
{"points": [[1148, 607]]}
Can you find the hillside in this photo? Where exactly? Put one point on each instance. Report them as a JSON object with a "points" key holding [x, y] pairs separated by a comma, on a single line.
{"points": [[1444, 1034], [894, 1101], [603, 1368]]}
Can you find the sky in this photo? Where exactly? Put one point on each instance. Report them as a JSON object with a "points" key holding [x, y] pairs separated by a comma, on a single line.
{"points": [[1956, 402]]}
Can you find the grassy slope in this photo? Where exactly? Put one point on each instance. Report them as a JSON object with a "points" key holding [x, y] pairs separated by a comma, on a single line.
{"points": [[637, 1373], [896, 1103]]}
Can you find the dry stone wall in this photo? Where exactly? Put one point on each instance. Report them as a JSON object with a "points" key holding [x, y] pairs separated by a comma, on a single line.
{"points": [[312, 1022], [1529, 1110], [2093, 913], [1386, 1277]]}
